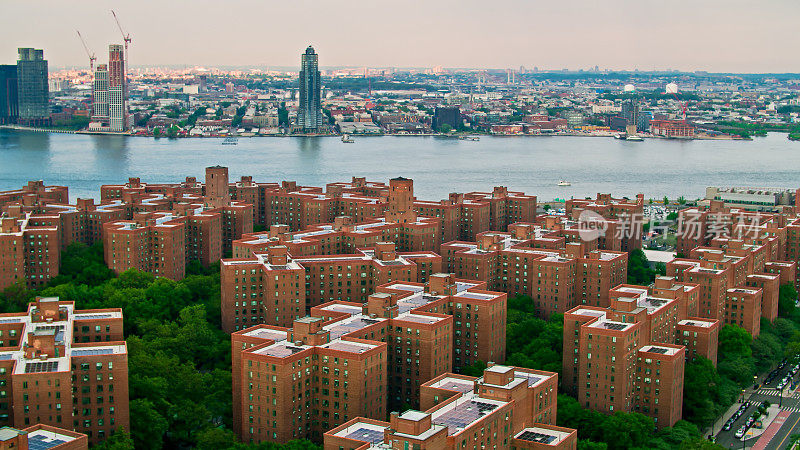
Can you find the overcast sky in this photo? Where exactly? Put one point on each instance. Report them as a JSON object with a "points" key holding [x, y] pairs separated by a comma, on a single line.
{"points": [[713, 35]]}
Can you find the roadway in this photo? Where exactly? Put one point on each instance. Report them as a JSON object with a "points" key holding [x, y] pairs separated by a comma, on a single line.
{"points": [[790, 403]]}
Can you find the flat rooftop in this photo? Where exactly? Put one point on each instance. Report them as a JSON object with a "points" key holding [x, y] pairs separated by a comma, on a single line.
{"points": [[281, 350], [659, 349], [454, 384], [363, 431], [541, 435], [462, 413], [610, 325], [696, 323], [347, 309], [265, 333]]}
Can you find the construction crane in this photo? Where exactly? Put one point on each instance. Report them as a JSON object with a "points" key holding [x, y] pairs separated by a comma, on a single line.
{"points": [[125, 37], [683, 105], [89, 53]]}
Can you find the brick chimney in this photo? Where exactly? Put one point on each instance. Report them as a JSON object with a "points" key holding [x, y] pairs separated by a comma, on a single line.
{"points": [[308, 330], [441, 284], [342, 223], [9, 225], [278, 255], [385, 251], [382, 304], [411, 422], [85, 204]]}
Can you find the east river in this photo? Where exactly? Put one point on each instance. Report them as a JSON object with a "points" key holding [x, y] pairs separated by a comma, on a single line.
{"points": [[438, 165]]}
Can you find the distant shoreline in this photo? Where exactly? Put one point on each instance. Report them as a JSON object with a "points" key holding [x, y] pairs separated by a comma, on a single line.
{"points": [[570, 134]]}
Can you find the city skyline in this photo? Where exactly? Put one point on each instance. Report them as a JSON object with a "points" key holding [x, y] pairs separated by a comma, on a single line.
{"points": [[711, 36]]}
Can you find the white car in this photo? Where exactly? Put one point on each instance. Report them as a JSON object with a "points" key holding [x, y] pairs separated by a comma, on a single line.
{"points": [[740, 432]]}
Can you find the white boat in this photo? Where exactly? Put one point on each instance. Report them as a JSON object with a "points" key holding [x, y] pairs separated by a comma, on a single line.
{"points": [[469, 138], [347, 139], [634, 138], [564, 183]]}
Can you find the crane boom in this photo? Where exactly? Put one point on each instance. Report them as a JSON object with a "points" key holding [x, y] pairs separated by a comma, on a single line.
{"points": [[89, 53], [683, 106], [126, 37]]}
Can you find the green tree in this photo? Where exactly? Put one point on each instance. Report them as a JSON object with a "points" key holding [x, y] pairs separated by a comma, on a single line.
{"points": [[147, 425], [627, 430], [639, 271], [787, 298], [118, 440], [474, 370]]}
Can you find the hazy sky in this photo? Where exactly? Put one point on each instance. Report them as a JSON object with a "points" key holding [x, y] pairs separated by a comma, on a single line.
{"points": [[713, 35]]}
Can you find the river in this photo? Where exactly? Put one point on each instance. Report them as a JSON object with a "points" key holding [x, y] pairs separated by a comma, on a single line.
{"points": [[438, 165]]}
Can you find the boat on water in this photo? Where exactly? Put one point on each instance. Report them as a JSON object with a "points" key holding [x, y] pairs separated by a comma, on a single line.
{"points": [[564, 183], [634, 138], [347, 139], [230, 140], [469, 138]]}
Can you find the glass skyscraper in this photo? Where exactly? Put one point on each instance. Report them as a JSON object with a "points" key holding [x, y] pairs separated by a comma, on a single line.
{"points": [[8, 94], [309, 115], [117, 89], [32, 88]]}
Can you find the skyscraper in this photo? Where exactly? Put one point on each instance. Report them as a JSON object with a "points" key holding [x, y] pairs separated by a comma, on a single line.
{"points": [[32, 88], [309, 115], [100, 113], [8, 94], [117, 89]]}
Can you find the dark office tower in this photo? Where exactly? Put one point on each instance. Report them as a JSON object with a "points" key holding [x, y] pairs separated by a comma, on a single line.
{"points": [[8, 94], [446, 115], [630, 111], [117, 89], [32, 88], [309, 116]]}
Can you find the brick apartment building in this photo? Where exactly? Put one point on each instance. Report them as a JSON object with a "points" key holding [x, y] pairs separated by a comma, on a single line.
{"points": [[342, 236], [630, 373], [350, 360], [275, 288], [506, 408], [738, 284], [37, 223], [623, 219], [36, 189], [29, 253], [461, 216], [64, 368], [530, 260], [154, 243], [43, 437], [637, 345]]}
